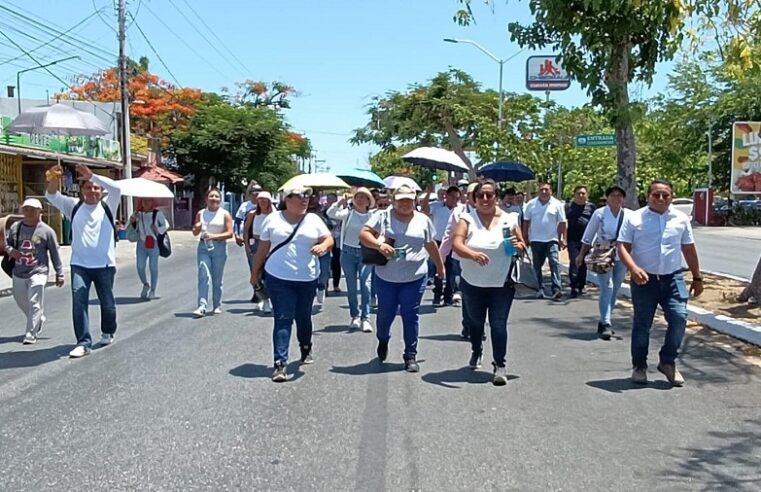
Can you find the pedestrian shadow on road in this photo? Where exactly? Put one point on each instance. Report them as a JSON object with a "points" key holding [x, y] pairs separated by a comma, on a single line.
{"points": [[237, 301], [121, 301], [622, 385], [16, 339], [463, 375], [447, 337], [337, 329], [32, 358], [184, 315], [373, 366], [253, 371]]}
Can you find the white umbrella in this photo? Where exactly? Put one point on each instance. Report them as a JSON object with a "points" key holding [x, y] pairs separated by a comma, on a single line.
{"points": [[394, 182], [143, 188], [435, 158], [57, 119]]}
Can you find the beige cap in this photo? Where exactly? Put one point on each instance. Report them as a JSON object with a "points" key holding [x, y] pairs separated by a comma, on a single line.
{"points": [[32, 202], [297, 191], [404, 192], [364, 191]]}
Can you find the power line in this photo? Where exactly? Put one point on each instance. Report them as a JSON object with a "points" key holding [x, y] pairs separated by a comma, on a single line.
{"points": [[35, 60], [150, 45], [49, 55], [213, 33]]}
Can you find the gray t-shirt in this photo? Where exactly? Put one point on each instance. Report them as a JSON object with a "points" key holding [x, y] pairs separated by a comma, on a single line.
{"points": [[412, 238], [35, 243]]}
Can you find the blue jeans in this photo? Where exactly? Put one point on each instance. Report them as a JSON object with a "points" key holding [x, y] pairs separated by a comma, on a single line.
{"points": [[291, 301], [81, 280], [446, 286], [150, 256], [609, 284], [322, 280], [211, 268], [355, 270], [670, 292], [546, 251], [406, 298], [250, 258], [577, 276], [496, 301]]}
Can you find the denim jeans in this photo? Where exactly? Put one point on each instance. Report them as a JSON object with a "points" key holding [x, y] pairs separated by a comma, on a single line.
{"points": [[250, 258], [81, 280], [609, 284], [447, 285], [496, 301], [291, 301], [150, 256], [670, 292], [576, 275], [322, 280], [211, 268], [406, 298], [355, 270], [546, 251]]}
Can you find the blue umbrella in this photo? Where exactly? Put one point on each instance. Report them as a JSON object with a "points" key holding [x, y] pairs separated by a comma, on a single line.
{"points": [[361, 177], [507, 171]]}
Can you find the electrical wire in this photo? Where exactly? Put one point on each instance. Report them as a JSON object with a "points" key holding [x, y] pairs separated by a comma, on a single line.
{"points": [[150, 45], [213, 33], [34, 59], [36, 39]]}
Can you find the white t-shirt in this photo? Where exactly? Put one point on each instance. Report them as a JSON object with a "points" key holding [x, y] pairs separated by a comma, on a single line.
{"points": [[256, 229], [409, 236], [545, 219], [294, 261], [440, 214], [213, 222], [354, 224], [490, 242]]}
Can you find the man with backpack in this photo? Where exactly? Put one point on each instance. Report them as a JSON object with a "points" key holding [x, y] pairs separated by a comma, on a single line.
{"points": [[93, 251]]}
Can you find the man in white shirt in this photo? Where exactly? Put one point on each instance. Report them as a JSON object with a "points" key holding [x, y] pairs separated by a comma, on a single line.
{"points": [[93, 255], [651, 243], [544, 227], [440, 212]]}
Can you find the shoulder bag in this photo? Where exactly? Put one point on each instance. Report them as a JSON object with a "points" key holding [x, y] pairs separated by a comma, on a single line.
{"points": [[165, 245], [602, 256], [372, 256]]}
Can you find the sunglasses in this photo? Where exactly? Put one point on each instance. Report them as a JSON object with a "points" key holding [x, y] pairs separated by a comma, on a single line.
{"points": [[300, 196], [485, 195], [661, 194]]}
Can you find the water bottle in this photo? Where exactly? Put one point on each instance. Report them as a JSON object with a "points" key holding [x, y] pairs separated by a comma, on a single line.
{"points": [[206, 241], [507, 242]]}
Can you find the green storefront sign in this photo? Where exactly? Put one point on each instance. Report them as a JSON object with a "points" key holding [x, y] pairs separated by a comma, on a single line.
{"points": [[596, 140], [92, 147]]}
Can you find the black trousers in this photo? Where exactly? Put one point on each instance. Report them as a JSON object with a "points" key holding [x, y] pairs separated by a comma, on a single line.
{"points": [[335, 266]]}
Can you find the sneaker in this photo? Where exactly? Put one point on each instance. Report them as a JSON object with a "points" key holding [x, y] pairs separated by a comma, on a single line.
{"points": [[382, 350], [464, 334], [106, 339], [152, 295], [639, 375], [200, 312], [279, 376], [540, 294], [456, 299], [557, 296], [672, 374], [336, 290], [356, 323], [79, 351], [475, 360], [217, 310], [437, 303], [306, 355], [144, 292], [410, 364], [604, 331], [366, 326], [321, 296], [267, 306], [500, 375], [29, 339], [43, 319], [574, 293], [254, 298]]}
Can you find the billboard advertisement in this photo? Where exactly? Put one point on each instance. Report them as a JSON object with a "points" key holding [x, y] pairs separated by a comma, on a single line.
{"points": [[746, 157], [543, 73]]}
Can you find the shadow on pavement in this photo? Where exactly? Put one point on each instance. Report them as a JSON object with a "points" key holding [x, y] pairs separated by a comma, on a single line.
{"points": [[253, 371], [730, 464], [448, 337], [337, 329], [372, 367], [32, 358], [16, 339], [121, 301], [705, 361], [184, 315], [464, 375], [622, 385], [238, 301]]}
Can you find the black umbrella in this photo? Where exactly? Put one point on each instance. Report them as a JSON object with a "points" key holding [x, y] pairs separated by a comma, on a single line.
{"points": [[507, 171]]}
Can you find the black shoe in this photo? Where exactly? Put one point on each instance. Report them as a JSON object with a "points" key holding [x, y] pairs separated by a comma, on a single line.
{"points": [[604, 331], [557, 296], [436, 302], [382, 350], [254, 298], [410, 364], [464, 334], [574, 293], [306, 355], [475, 360]]}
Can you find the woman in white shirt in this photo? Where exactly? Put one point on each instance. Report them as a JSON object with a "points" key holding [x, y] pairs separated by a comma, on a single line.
{"points": [[252, 230], [603, 230], [214, 225], [148, 222], [353, 218], [290, 245], [487, 240]]}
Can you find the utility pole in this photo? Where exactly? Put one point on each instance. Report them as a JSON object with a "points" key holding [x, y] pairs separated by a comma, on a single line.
{"points": [[124, 89]]}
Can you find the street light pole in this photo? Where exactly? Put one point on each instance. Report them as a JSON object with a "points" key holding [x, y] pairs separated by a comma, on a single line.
{"points": [[124, 89], [710, 154], [18, 76]]}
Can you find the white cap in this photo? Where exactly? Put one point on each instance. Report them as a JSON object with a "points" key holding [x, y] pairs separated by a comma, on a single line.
{"points": [[404, 192], [32, 202], [264, 194]]}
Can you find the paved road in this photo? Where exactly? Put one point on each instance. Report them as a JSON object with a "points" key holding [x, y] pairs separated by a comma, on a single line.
{"points": [[183, 404], [731, 250]]}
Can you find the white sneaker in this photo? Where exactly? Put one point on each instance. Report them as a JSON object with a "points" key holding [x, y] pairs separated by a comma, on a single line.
{"points": [[320, 296], [366, 326], [152, 295], [144, 292], [456, 297], [356, 323], [200, 312], [29, 339], [79, 351], [106, 339], [267, 306], [217, 311]]}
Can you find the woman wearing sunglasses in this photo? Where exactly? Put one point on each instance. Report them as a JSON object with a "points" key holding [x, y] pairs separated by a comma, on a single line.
{"points": [[487, 240], [290, 244]]}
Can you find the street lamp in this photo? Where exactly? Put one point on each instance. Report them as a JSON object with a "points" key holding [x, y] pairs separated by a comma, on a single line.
{"points": [[18, 76], [501, 63]]}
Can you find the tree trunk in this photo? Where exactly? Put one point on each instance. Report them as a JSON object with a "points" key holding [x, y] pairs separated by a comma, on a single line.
{"points": [[456, 143], [753, 289], [617, 80]]}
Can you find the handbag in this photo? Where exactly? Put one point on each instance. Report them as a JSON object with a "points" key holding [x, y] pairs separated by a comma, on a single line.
{"points": [[165, 245], [372, 256], [132, 235], [8, 263], [602, 256]]}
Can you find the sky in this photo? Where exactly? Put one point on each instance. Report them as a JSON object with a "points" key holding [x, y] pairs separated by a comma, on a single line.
{"points": [[338, 54]]}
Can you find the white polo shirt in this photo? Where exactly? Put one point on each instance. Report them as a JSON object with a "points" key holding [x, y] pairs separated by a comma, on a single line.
{"points": [[544, 219], [657, 239], [440, 214]]}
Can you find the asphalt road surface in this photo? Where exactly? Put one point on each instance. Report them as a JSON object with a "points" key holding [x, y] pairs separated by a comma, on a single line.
{"points": [[730, 250], [184, 404]]}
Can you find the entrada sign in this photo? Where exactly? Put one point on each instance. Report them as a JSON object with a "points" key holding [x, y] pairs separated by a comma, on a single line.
{"points": [[543, 73], [596, 140]]}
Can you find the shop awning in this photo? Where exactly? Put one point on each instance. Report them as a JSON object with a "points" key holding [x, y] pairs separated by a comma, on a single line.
{"points": [[52, 156], [159, 175]]}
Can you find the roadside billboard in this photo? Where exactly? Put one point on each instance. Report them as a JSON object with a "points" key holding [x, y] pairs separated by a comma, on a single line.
{"points": [[746, 157], [543, 73]]}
